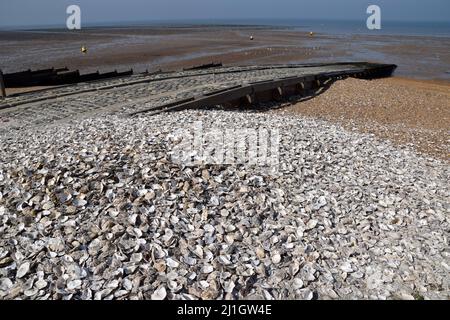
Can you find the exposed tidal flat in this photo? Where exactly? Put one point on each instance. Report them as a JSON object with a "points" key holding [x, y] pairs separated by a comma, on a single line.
{"points": [[422, 55]]}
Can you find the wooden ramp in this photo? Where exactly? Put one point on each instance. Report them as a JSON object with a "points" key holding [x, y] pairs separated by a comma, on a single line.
{"points": [[275, 89]]}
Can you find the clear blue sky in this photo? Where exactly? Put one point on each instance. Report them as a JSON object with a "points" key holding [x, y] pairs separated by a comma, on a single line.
{"points": [[49, 12]]}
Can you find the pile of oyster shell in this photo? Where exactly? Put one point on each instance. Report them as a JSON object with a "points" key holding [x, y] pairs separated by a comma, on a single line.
{"points": [[98, 209]]}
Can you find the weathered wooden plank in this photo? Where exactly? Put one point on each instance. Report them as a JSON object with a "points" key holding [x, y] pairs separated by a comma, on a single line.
{"points": [[274, 89]]}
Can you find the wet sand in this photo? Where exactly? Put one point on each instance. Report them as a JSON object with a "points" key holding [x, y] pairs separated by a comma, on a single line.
{"points": [[172, 48]]}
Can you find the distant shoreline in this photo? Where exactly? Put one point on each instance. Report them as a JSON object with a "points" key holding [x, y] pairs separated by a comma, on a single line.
{"points": [[356, 27]]}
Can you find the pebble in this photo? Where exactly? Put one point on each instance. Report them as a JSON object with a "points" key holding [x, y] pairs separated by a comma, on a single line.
{"points": [[207, 269], [40, 284], [159, 294], [311, 224], [276, 258], [346, 267], [23, 270], [297, 284], [74, 284]]}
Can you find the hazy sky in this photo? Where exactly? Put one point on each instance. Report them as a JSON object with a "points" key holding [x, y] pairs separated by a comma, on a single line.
{"points": [[49, 12]]}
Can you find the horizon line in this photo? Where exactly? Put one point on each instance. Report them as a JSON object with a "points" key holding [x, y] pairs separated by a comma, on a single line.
{"points": [[210, 21]]}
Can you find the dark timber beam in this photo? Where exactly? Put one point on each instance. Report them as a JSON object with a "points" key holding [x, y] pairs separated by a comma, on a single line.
{"points": [[2, 85], [275, 89]]}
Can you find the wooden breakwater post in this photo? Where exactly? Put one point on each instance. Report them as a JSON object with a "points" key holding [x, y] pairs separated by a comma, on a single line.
{"points": [[2, 85]]}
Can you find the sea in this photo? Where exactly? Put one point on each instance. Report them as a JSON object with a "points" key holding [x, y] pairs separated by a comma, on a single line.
{"points": [[412, 28]]}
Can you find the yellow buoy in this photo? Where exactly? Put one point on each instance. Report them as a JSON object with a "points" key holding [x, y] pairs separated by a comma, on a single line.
{"points": [[83, 50]]}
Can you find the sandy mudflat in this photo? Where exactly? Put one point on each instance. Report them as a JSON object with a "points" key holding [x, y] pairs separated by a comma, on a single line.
{"points": [[173, 48], [405, 111]]}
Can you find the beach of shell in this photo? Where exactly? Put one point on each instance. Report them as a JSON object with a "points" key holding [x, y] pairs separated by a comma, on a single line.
{"points": [[98, 209]]}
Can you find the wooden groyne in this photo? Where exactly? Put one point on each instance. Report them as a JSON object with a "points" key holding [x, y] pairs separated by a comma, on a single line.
{"points": [[204, 66], [55, 76]]}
